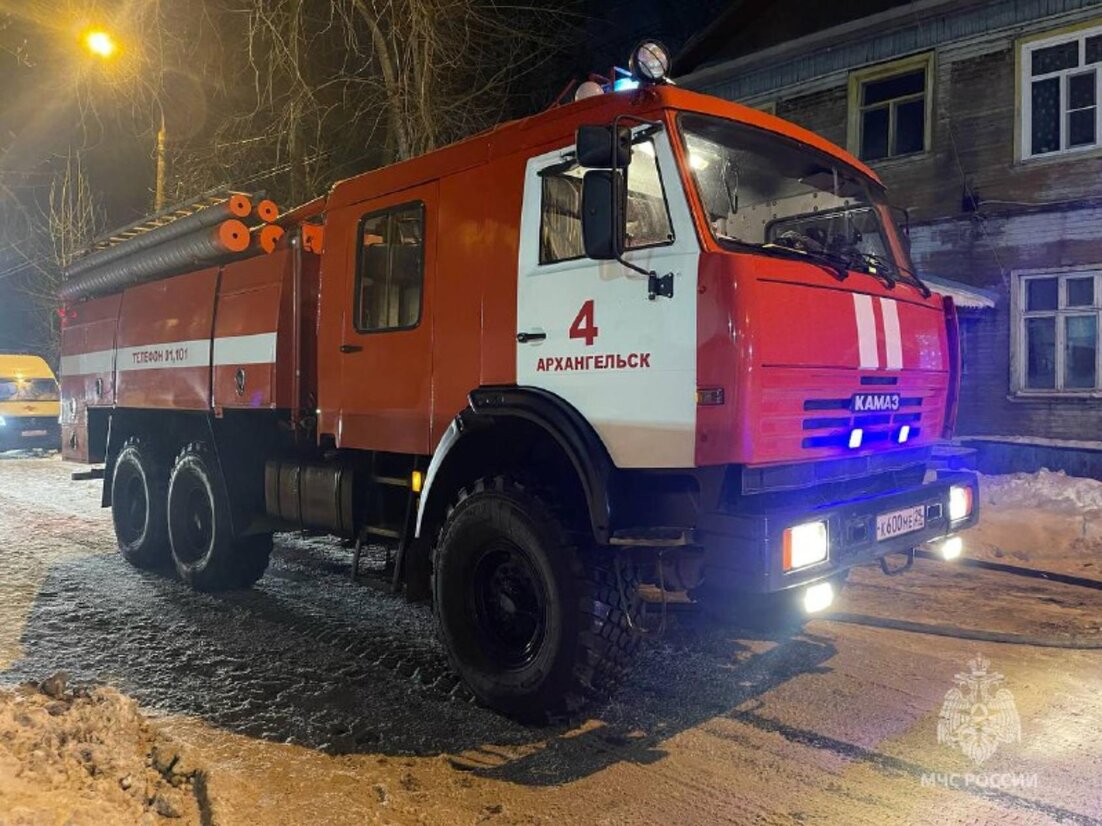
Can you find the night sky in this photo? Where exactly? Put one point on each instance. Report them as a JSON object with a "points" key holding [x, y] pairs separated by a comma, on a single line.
{"points": [[40, 120]]}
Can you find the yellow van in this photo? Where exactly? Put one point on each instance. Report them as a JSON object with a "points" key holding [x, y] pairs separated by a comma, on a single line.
{"points": [[29, 404]]}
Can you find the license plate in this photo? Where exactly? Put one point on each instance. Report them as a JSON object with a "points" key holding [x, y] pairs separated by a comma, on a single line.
{"points": [[874, 402], [30, 434], [900, 522]]}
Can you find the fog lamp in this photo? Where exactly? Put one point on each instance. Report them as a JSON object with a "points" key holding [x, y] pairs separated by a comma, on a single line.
{"points": [[951, 548], [818, 597], [804, 545], [960, 502]]}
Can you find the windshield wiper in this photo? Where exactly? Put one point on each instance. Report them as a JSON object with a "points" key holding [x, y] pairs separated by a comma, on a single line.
{"points": [[839, 266], [836, 266], [880, 261]]}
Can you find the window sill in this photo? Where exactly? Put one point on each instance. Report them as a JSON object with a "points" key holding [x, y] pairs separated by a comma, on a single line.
{"points": [[898, 160], [1061, 157], [1054, 396]]}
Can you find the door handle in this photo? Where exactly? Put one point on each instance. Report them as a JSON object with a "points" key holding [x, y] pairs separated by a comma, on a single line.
{"points": [[524, 338], [351, 348]]}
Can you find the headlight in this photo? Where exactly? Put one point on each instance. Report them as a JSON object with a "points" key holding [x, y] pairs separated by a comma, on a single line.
{"points": [[805, 545], [2, 422], [960, 502]]}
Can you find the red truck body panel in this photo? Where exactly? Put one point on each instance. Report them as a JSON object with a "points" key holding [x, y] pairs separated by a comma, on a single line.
{"points": [[225, 338]]}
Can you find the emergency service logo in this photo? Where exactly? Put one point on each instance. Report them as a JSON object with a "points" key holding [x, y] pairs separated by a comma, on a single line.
{"points": [[978, 714]]}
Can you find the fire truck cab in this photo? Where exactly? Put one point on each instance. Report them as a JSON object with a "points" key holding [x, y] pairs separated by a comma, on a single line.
{"points": [[647, 341]]}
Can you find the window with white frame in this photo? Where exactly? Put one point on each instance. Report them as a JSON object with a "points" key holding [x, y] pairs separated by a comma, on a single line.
{"points": [[890, 109], [1060, 91], [1058, 317]]}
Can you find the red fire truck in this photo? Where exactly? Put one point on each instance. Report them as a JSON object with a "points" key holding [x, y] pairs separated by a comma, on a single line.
{"points": [[643, 343]]}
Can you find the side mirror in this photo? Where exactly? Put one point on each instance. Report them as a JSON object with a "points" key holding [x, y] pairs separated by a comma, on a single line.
{"points": [[597, 148], [603, 214]]}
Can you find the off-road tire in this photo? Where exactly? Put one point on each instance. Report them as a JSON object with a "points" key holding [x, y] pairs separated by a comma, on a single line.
{"points": [[587, 642], [205, 552], [139, 495]]}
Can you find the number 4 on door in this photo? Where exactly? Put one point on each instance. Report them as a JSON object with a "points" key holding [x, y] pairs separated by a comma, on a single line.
{"points": [[584, 326]]}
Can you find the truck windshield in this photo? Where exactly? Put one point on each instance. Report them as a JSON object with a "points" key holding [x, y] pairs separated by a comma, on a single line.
{"points": [[28, 390], [762, 190]]}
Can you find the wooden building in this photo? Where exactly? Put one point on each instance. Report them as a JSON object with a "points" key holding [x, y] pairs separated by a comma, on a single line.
{"points": [[984, 120]]}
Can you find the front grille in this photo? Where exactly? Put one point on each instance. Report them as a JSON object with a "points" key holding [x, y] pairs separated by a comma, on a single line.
{"points": [[834, 430]]}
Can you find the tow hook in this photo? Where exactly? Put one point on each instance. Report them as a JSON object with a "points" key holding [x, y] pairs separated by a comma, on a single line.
{"points": [[902, 569]]}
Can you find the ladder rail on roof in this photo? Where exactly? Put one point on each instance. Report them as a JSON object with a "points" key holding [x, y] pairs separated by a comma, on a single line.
{"points": [[212, 197]]}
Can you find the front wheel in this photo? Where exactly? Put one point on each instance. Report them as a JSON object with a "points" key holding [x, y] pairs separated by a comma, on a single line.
{"points": [[206, 554], [533, 627]]}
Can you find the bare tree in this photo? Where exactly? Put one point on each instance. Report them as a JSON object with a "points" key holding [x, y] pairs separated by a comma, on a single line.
{"points": [[72, 219], [448, 67], [340, 87]]}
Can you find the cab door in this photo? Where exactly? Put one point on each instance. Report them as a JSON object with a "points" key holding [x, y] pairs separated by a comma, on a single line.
{"points": [[587, 331], [385, 347]]}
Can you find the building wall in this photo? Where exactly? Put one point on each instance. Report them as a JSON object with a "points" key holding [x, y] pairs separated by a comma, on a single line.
{"points": [[1033, 214]]}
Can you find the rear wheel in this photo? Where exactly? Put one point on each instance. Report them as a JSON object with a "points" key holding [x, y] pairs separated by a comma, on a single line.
{"points": [[534, 626], [205, 552], [138, 494]]}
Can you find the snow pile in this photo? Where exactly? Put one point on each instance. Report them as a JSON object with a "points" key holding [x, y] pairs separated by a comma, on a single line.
{"points": [[86, 757], [1046, 520], [1048, 490]]}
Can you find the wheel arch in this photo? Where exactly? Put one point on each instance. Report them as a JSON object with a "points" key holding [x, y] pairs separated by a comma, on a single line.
{"points": [[235, 442], [502, 426], [171, 427]]}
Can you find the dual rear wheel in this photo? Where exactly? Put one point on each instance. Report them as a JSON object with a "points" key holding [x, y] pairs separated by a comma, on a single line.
{"points": [[180, 518]]}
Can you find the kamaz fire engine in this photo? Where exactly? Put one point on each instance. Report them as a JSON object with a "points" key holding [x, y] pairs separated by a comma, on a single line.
{"points": [[647, 342]]}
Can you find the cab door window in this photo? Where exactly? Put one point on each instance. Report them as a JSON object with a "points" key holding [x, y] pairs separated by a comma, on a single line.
{"points": [[390, 276], [648, 217]]}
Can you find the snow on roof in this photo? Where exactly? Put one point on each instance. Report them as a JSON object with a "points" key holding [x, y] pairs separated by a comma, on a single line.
{"points": [[963, 295]]}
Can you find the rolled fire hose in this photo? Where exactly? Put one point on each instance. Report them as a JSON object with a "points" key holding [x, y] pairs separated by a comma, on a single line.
{"points": [[267, 211], [203, 248], [235, 207], [266, 238]]}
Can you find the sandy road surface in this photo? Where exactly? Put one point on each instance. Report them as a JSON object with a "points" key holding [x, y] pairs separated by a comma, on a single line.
{"points": [[314, 699]]}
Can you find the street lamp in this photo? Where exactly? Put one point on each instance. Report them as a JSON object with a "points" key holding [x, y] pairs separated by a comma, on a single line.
{"points": [[102, 45]]}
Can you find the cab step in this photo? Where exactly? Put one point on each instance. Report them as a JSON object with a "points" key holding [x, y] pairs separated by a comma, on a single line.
{"points": [[653, 537], [391, 481], [383, 531]]}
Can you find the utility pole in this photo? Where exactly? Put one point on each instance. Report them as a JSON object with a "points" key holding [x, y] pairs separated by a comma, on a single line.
{"points": [[159, 186]]}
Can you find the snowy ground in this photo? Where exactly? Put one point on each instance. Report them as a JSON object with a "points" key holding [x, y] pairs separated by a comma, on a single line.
{"points": [[1045, 520], [315, 699]]}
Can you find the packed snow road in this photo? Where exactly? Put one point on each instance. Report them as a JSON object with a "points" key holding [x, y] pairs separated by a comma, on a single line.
{"points": [[312, 698]]}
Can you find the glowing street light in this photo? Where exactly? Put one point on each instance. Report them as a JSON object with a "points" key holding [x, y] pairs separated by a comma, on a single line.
{"points": [[100, 43]]}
